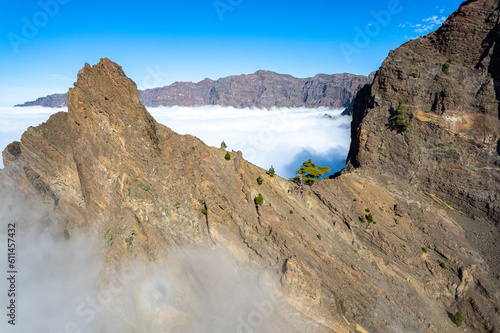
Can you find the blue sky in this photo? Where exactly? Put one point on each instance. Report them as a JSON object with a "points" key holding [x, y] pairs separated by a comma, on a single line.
{"points": [[44, 43]]}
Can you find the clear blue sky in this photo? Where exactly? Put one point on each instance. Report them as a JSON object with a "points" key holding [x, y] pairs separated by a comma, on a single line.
{"points": [[44, 43]]}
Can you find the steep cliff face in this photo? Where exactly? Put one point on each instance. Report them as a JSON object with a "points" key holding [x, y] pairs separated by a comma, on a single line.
{"points": [[263, 89], [108, 165], [448, 82]]}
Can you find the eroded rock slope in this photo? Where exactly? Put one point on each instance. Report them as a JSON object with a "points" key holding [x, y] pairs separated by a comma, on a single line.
{"points": [[108, 165]]}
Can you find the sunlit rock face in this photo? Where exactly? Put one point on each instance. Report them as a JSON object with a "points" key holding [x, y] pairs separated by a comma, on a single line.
{"points": [[262, 89], [144, 194]]}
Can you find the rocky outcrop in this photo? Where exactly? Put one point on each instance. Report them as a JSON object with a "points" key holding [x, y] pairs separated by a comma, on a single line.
{"points": [[108, 165], [263, 89], [449, 85]]}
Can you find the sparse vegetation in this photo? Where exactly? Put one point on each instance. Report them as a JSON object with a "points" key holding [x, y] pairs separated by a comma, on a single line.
{"points": [[108, 235], [319, 236], [227, 157], [129, 240], [66, 235], [271, 171], [369, 218], [106, 98], [310, 173], [362, 219], [145, 187], [223, 145], [400, 120], [259, 180], [204, 211], [259, 200], [443, 265], [446, 67], [458, 318], [424, 249]]}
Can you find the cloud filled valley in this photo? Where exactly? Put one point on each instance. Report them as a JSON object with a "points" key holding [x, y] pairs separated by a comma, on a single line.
{"points": [[282, 137]]}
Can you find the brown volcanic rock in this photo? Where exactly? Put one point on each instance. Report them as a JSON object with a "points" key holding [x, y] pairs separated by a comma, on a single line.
{"points": [[263, 89], [448, 82], [107, 165]]}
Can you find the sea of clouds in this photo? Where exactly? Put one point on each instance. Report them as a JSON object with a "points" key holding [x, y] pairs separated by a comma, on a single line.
{"points": [[281, 137]]}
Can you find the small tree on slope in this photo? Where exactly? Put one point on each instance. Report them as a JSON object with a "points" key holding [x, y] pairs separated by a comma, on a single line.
{"points": [[310, 172]]}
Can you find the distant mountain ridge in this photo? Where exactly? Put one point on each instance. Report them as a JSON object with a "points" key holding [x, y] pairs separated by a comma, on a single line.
{"points": [[262, 89]]}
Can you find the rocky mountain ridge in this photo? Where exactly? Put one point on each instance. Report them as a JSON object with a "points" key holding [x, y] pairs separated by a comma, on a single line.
{"points": [[106, 164], [262, 89]]}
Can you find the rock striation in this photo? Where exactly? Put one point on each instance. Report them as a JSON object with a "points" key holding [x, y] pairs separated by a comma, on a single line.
{"points": [[263, 89], [431, 192], [449, 84]]}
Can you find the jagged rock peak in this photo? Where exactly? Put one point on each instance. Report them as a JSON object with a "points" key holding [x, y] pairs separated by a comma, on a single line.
{"points": [[105, 89]]}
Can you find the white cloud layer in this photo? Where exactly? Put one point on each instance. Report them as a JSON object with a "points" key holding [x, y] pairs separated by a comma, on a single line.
{"points": [[283, 138]]}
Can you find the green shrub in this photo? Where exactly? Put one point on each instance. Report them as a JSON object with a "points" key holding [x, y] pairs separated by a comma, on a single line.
{"points": [[66, 234], [145, 187], [227, 157], [223, 145], [362, 219], [310, 172], [319, 236], [367, 210], [204, 211], [446, 68], [106, 98], [369, 218], [108, 235], [424, 249], [259, 200], [443, 265], [458, 318], [400, 120], [271, 171], [129, 240], [291, 212], [259, 180], [354, 199], [177, 204]]}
